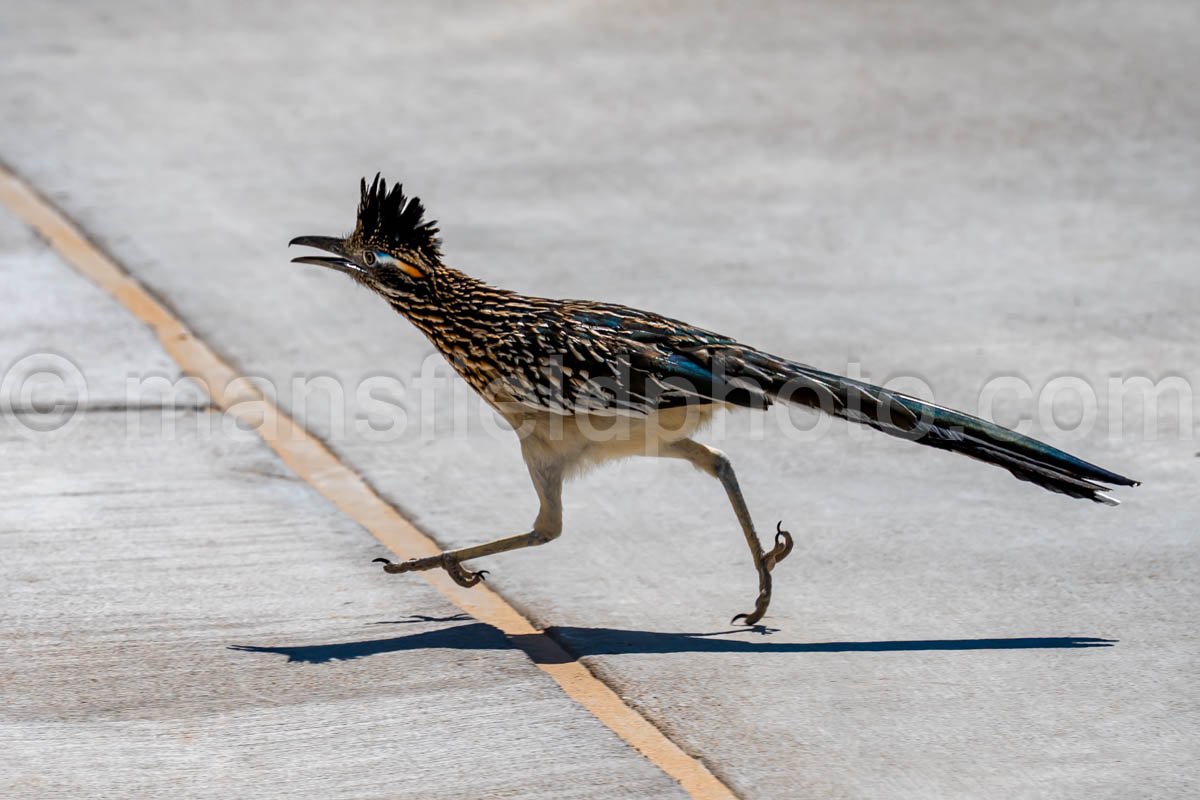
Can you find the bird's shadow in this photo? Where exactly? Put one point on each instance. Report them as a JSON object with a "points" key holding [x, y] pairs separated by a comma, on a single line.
{"points": [[579, 642]]}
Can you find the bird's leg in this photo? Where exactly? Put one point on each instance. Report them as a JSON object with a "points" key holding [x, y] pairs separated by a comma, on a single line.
{"points": [[715, 463], [546, 527]]}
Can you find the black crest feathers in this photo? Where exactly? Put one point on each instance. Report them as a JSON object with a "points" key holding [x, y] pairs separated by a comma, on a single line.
{"points": [[394, 220]]}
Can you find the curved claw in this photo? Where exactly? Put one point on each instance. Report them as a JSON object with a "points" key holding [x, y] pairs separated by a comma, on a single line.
{"points": [[393, 568], [460, 574], [750, 619], [783, 546]]}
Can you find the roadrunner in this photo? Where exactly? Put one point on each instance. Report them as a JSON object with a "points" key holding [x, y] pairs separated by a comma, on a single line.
{"points": [[583, 383]]}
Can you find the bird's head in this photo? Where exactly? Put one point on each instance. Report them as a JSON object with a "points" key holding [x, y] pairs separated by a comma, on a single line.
{"points": [[392, 250]]}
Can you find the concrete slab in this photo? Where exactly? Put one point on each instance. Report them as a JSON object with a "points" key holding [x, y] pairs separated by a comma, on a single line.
{"points": [[184, 618], [952, 193], [65, 342]]}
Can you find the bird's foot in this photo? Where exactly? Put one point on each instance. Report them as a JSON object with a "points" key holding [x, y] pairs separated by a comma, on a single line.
{"points": [[460, 574], [760, 607], [783, 546]]}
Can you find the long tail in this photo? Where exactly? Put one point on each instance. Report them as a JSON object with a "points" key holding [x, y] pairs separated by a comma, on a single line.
{"points": [[907, 417]]}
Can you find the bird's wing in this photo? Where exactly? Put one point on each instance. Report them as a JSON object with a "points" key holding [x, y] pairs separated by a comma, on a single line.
{"points": [[606, 359]]}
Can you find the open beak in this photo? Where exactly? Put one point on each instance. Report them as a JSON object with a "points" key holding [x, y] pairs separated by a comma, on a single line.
{"points": [[330, 245]]}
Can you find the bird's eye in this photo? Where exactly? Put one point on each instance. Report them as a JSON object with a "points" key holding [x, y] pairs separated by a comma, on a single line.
{"points": [[369, 258]]}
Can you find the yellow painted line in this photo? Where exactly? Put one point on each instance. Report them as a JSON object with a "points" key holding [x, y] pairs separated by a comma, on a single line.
{"points": [[309, 458]]}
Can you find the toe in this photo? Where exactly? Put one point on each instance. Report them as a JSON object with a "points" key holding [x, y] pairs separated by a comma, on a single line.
{"points": [[783, 546], [747, 619]]}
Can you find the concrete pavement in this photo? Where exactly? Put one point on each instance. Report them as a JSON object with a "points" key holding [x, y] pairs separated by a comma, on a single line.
{"points": [[951, 192]]}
